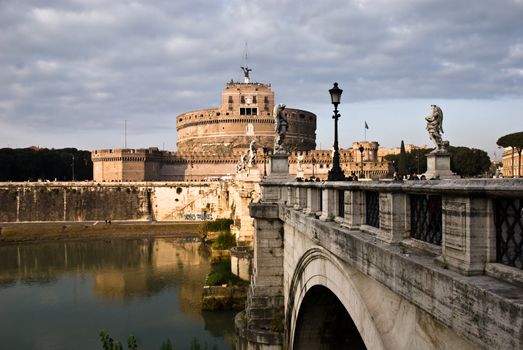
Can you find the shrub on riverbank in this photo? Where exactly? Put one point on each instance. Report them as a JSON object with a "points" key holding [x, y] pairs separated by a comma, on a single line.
{"points": [[216, 226], [221, 274], [225, 240]]}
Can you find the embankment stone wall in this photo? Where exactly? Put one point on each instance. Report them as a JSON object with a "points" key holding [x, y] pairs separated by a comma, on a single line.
{"points": [[89, 201]]}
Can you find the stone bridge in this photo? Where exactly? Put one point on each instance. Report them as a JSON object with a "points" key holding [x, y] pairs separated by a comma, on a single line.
{"points": [[386, 265]]}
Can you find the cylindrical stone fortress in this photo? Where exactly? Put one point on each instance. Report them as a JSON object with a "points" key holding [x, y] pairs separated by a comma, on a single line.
{"points": [[245, 114]]}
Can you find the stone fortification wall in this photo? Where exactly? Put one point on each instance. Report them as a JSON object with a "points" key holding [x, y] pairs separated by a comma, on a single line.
{"points": [[126, 164], [212, 134], [30, 202], [317, 163]]}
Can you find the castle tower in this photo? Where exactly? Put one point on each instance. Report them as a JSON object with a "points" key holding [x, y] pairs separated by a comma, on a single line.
{"points": [[245, 114]]}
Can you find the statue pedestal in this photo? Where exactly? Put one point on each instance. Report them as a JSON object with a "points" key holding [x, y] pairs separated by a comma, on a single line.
{"points": [[279, 173], [438, 166], [280, 167]]}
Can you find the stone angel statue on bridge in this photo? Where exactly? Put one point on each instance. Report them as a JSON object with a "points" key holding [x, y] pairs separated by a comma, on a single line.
{"points": [[435, 128], [252, 154], [281, 125]]}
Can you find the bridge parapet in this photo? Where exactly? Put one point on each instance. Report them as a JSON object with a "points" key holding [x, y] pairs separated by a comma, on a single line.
{"points": [[416, 265], [473, 225]]}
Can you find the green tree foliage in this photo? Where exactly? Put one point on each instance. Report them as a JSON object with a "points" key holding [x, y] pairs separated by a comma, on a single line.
{"points": [[402, 161], [31, 164], [464, 161], [468, 162], [515, 141], [416, 161], [225, 240]]}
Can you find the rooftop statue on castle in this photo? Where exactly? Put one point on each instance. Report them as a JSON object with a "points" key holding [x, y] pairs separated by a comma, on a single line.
{"points": [[281, 126], [252, 154], [435, 128], [246, 77]]}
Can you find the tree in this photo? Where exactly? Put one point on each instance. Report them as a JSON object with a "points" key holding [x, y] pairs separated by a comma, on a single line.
{"points": [[402, 161], [416, 161], [515, 141], [468, 162], [22, 164]]}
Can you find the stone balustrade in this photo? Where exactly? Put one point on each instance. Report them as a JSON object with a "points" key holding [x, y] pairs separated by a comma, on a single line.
{"points": [[473, 226]]}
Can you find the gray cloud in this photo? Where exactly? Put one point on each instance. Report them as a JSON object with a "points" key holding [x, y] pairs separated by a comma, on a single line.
{"points": [[84, 67]]}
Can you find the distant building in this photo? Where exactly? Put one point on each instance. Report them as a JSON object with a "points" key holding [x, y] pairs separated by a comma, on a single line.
{"points": [[212, 141], [382, 152], [511, 162]]}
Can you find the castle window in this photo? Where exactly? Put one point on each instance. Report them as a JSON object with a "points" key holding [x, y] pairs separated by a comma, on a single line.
{"points": [[242, 99], [266, 99], [217, 114], [254, 99], [230, 99], [248, 111]]}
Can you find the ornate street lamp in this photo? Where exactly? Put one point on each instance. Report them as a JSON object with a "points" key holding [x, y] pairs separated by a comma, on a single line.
{"points": [[336, 174], [361, 155]]}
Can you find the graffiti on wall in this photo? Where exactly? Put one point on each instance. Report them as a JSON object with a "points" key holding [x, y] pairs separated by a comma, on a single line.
{"points": [[199, 216]]}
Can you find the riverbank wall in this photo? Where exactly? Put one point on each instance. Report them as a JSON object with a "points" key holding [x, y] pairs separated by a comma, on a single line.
{"points": [[130, 201]]}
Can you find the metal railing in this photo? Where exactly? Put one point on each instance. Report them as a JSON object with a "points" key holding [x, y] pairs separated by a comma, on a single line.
{"points": [[426, 218], [372, 208], [509, 231], [341, 203]]}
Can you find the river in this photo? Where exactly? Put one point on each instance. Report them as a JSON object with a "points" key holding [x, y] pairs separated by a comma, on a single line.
{"points": [[60, 295]]}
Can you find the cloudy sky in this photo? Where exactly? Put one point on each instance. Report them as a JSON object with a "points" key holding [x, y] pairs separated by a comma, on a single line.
{"points": [[72, 72]]}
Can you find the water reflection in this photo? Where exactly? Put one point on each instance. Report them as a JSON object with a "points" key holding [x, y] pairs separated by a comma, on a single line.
{"points": [[167, 275]]}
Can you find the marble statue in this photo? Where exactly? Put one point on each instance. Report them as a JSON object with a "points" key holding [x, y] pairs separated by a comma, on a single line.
{"points": [[246, 71], [242, 163], [435, 128], [281, 125], [299, 159], [252, 154]]}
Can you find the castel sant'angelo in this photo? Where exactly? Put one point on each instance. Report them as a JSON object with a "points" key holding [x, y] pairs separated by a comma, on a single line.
{"points": [[211, 142]]}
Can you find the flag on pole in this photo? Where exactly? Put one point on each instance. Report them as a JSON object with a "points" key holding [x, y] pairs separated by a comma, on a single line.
{"points": [[366, 126]]}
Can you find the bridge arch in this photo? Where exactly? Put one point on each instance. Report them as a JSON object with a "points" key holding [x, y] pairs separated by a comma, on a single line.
{"points": [[321, 291]]}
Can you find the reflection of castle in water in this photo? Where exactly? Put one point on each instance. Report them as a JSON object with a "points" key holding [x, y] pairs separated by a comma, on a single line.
{"points": [[121, 269]]}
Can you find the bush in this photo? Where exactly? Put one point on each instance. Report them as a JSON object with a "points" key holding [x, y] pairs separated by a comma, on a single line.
{"points": [[221, 274], [219, 225], [225, 240]]}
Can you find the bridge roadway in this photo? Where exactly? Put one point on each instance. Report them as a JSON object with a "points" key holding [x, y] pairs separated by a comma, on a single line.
{"points": [[386, 265]]}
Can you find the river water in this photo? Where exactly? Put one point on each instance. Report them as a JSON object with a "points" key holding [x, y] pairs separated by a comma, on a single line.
{"points": [[60, 295]]}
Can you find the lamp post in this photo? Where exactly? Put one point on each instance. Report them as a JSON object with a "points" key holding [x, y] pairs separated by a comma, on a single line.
{"points": [[313, 166], [361, 155], [336, 174]]}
